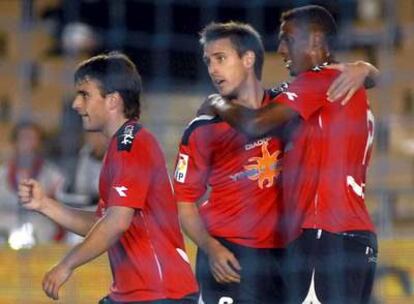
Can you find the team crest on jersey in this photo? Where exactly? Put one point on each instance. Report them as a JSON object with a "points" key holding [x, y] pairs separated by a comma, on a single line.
{"points": [[181, 168], [126, 136], [264, 169]]}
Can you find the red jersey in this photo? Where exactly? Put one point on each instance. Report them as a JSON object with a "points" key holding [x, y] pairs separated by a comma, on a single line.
{"points": [[148, 262], [325, 168], [243, 205]]}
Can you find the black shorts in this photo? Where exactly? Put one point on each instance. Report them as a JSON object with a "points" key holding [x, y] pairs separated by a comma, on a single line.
{"points": [[324, 267], [261, 281], [190, 299]]}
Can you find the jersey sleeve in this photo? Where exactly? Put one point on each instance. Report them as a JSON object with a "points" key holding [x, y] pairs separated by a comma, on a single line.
{"points": [[132, 173], [306, 94], [192, 166]]}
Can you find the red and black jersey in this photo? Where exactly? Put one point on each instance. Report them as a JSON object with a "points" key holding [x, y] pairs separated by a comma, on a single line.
{"points": [[242, 174], [148, 262], [325, 166]]}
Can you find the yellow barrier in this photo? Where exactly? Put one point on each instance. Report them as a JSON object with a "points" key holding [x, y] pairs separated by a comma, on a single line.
{"points": [[21, 274]]}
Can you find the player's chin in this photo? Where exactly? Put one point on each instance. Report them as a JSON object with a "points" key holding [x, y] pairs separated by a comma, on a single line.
{"points": [[90, 128], [226, 93], [222, 91]]}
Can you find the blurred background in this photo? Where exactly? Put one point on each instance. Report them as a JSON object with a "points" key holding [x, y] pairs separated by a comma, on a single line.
{"points": [[41, 41]]}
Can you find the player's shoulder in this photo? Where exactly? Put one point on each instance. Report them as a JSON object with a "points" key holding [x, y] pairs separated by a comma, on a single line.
{"points": [[320, 73], [198, 123], [130, 133], [133, 141], [315, 81]]}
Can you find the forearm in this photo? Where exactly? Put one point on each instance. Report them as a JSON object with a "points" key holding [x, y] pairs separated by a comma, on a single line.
{"points": [[239, 117], [75, 220], [253, 122], [193, 225], [99, 239]]}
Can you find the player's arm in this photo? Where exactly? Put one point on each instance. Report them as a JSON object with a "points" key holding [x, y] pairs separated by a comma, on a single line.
{"points": [[32, 197], [100, 238], [223, 263], [253, 122], [257, 122], [353, 76], [193, 167]]}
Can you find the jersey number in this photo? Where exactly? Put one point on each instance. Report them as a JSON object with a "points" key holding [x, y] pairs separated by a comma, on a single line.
{"points": [[360, 189], [370, 139]]}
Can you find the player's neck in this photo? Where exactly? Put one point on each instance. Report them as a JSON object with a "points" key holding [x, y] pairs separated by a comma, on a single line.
{"points": [[322, 57], [251, 95], [113, 125]]}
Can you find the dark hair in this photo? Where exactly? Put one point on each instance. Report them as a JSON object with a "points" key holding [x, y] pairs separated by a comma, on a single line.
{"points": [[315, 16], [243, 37], [114, 72], [26, 124]]}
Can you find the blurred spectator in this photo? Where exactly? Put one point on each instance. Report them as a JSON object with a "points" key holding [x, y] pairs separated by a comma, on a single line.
{"points": [[74, 24], [79, 39], [82, 191], [21, 227], [80, 156]]}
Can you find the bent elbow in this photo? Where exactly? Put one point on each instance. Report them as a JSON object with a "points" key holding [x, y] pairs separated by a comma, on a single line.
{"points": [[123, 227]]}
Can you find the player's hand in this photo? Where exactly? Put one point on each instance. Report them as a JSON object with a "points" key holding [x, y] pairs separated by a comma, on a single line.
{"points": [[207, 107], [31, 195], [352, 77], [54, 279], [223, 264]]}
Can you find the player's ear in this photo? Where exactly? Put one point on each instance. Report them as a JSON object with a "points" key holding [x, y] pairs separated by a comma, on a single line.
{"points": [[317, 41], [114, 100], [249, 58]]}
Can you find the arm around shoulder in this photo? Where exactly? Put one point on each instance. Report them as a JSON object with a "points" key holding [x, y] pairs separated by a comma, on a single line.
{"points": [[352, 77], [254, 122]]}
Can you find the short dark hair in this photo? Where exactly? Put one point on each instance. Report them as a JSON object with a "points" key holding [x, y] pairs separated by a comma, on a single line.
{"points": [[315, 16], [243, 37], [114, 72]]}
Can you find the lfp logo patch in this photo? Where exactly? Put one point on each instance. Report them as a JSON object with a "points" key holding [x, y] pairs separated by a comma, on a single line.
{"points": [[181, 169]]}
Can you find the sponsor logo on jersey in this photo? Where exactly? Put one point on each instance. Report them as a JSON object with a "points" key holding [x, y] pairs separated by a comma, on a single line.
{"points": [[264, 169], [121, 190], [257, 143], [126, 136], [181, 168]]}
